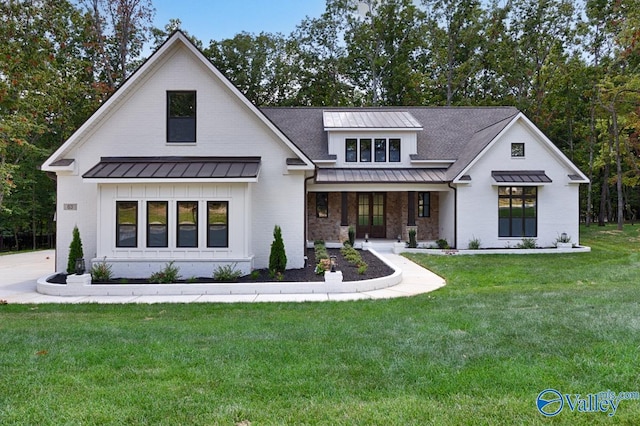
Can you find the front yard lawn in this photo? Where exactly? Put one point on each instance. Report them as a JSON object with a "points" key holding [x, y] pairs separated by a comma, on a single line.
{"points": [[478, 351]]}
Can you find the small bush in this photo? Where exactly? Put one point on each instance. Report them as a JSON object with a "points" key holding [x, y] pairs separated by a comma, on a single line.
{"points": [[169, 274], [527, 243], [227, 273], [75, 251], [474, 244], [442, 244], [255, 275], [412, 238], [352, 235], [101, 271], [362, 268], [278, 255]]}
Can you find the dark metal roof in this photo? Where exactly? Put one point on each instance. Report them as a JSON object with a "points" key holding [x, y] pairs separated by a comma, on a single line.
{"points": [[520, 176], [64, 162], [380, 176], [175, 168]]}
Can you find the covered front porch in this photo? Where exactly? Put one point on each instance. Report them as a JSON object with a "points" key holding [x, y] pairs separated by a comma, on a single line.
{"points": [[378, 215]]}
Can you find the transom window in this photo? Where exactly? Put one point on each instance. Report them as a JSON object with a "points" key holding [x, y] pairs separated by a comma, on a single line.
{"points": [[517, 211], [181, 116], [368, 150]]}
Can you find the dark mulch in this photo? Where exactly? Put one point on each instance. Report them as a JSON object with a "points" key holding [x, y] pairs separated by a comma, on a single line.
{"points": [[376, 268]]}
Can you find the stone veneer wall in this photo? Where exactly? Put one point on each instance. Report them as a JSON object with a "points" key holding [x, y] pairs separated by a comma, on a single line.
{"points": [[328, 229]]}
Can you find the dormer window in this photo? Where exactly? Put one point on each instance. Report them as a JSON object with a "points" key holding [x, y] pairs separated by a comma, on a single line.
{"points": [[181, 116], [378, 150]]}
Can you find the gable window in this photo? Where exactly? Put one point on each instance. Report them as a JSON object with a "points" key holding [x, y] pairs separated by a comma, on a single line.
{"points": [[351, 153], [517, 149], [157, 221], [380, 150], [517, 211], [365, 150], [126, 224], [394, 150], [181, 116], [424, 204], [187, 227], [217, 224], [322, 204]]}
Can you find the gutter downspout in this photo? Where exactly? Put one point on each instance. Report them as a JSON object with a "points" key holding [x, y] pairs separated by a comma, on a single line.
{"points": [[455, 214]]}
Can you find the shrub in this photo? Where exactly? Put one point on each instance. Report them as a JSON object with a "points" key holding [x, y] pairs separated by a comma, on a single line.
{"points": [[362, 268], [352, 235], [474, 244], [412, 239], [169, 274], [101, 271], [527, 243], [278, 256], [442, 244], [255, 275], [75, 251], [227, 273]]}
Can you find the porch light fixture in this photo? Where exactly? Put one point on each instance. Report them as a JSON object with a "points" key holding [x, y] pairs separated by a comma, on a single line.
{"points": [[366, 237], [80, 267], [332, 259]]}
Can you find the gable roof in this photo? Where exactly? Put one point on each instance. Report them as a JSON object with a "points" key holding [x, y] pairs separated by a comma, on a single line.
{"points": [[177, 38]]}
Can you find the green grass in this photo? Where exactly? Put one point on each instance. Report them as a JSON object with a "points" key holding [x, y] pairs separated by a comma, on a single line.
{"points": [[478, 351]]}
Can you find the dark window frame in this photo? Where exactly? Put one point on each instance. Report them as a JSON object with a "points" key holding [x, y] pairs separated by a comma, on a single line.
{"points": [[380, 153], [120, 225], [179, 226], [392, 152], [351, 155], [422, 197], [174, 120], [366, 155], [165, 243], [322, 205], [518, 202], [209, 224]]}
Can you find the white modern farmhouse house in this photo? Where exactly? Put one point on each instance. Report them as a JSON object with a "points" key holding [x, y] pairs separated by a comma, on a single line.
{"points": [[179, 166]]}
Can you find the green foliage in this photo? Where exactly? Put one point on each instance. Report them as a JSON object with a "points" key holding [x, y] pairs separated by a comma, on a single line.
{"points": [[167, 275], [254, 275], [362, 268], [442, 244], [101, 271], [527, 243], [75, 251], [352, 236], [474, 243], [227, 273], [412, 238], [278, 256]]}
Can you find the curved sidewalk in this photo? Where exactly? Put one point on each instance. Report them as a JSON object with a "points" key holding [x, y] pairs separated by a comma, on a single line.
{"points": [[19, 273]]}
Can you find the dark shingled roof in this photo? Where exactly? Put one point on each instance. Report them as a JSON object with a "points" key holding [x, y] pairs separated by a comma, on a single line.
{"points": [[174, 168], [449, 133]]}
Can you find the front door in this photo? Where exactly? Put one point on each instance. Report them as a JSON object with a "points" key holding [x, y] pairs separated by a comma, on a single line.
{"points": [[371, 215]]}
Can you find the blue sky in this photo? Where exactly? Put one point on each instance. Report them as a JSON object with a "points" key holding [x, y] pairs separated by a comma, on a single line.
{"points": [[220, 19]]}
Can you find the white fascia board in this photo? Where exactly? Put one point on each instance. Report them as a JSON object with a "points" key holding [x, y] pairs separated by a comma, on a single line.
{"points": [[373, 129]]}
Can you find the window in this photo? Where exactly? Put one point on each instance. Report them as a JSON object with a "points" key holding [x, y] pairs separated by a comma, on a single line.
{"points": [[394, 150], [517, 211], [157, 221], [424, 204], [217, 224], [517, 149], [187, 224], [380, 147], [351, 154], [365, 150], [126, 224], [322, 204], [181, 116]]}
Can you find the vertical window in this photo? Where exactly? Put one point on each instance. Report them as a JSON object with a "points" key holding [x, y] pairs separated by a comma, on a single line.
{"points": [[517, 149], [126, 224], [365, 150], [394, 150], [187, 228], [217, 224], [424, 204], [351, 153], [517, 211], [181, 116], [380, 148], [322, 204], [157, 222]]}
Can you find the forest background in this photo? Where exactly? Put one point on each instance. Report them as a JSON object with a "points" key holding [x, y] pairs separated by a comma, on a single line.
{"points": [[572, 66]]}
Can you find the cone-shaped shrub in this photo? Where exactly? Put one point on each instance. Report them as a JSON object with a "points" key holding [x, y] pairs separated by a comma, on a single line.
{"points": [[278, 257], [75, 251]]}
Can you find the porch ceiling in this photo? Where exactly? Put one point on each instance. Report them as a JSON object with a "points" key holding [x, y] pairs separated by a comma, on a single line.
{"points": [[380, 176]]}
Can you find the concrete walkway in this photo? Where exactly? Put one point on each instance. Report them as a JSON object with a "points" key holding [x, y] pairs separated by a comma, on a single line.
{"points": [[19, 273]]}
